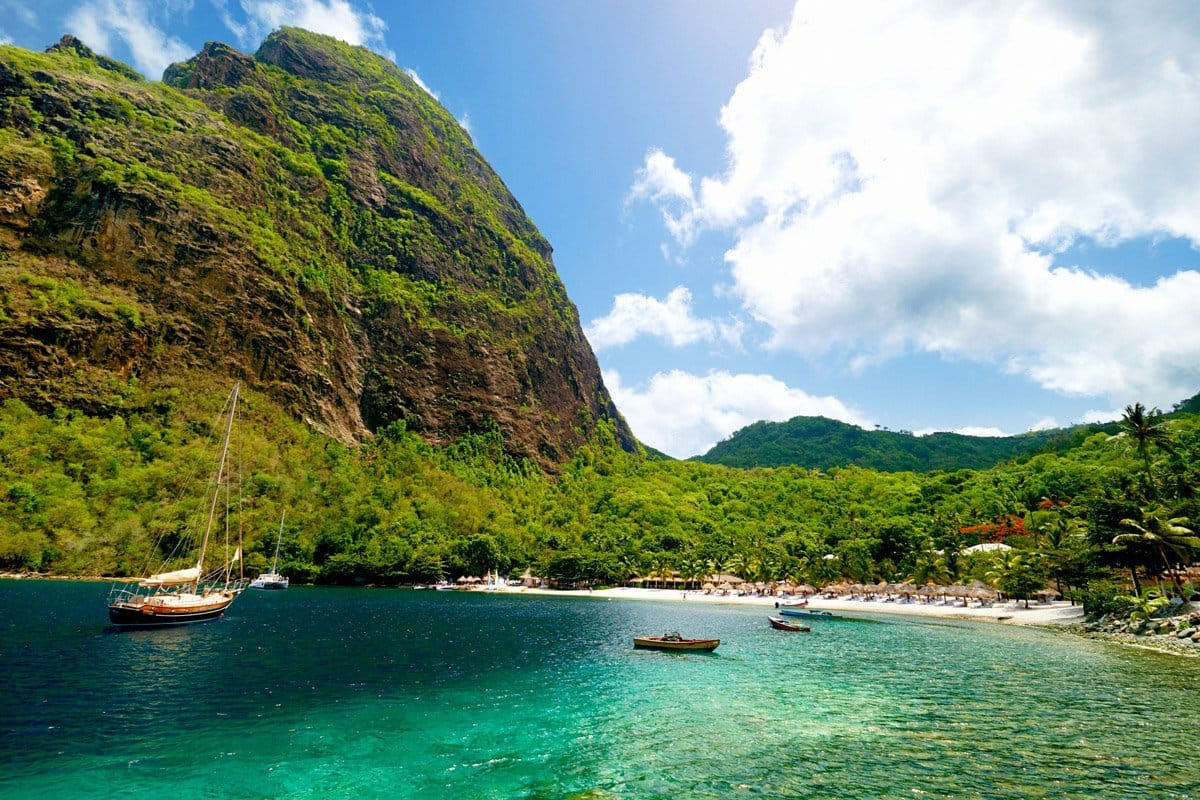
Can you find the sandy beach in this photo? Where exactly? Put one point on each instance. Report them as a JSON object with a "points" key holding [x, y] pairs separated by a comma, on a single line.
{"points": [[1012, 613]]}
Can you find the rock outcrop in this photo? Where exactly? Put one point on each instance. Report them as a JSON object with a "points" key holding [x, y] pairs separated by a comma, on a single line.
{"points": [[307, 218]]}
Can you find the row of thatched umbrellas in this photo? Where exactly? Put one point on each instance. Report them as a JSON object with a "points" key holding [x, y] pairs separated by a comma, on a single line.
{"points": [[976, 590]]}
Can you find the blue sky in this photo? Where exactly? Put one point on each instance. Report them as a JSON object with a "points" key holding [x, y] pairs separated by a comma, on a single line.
{"points": [[931, 216]]}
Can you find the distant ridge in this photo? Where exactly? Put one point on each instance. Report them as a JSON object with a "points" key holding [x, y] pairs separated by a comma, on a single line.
{"points": [[822, 443]]}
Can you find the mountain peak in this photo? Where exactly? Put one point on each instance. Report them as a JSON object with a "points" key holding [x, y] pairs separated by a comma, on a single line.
{"points": [[307, 219]]}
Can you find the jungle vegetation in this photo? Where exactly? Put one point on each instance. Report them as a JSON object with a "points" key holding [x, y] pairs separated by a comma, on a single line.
{"points": [[86, 495]]}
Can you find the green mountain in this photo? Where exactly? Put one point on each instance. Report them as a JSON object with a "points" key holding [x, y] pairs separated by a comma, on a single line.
{"points": [[307, 219], [820, 443]]}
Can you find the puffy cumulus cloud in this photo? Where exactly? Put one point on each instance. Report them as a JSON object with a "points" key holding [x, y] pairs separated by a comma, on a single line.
{"points": [[684, 415], [337, 18], [899, 175], [672, 320], [660, 181], [136, 23]]}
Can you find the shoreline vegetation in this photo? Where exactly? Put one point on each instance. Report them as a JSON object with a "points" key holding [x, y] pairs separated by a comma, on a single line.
{"points": [[1059, 615]]}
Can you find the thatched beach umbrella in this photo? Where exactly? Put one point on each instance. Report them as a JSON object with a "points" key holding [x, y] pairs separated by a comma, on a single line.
{"points": [[979, 589]]}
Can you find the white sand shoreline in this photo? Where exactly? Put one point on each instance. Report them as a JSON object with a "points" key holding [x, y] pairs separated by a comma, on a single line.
{"points": [[1057, 613]]}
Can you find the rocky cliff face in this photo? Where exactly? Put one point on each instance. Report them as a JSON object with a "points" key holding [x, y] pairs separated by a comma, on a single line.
{"points": [[306, 218]]}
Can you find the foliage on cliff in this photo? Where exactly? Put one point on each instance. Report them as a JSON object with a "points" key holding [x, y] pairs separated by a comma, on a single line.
{"points": [[307, 219]]}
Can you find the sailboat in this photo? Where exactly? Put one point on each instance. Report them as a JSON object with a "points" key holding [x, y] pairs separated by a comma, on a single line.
{"points": [[272, 579], [189, 594]]}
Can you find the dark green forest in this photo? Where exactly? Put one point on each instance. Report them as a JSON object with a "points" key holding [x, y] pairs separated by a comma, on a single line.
{"points": [[823, 443], [85, 495]]}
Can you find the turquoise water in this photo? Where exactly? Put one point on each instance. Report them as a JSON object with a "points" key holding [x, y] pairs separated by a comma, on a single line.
{"points": [[335, 693]]}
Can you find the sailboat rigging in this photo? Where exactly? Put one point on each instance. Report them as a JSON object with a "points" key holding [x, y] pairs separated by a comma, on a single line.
{"points": [[272, 579], [188, 594]]}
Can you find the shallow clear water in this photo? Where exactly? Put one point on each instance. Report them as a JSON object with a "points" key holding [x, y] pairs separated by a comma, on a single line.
{"points": [[388, 693]]}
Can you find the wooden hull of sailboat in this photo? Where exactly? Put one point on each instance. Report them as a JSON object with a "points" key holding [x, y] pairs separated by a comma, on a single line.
{"points": [[158, 612]]}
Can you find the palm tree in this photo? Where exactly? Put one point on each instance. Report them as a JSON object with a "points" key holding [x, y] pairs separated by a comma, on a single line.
{"points": [[1061, 533], [1146, 429], [631, 566], [740, 564], [692, 570], [929, 567], [1018, 574], [1164, 536], [666, 571], [718, 565]]}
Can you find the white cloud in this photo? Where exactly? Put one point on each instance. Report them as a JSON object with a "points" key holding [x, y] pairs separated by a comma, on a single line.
{"points": [[897, 173], [412, 73], [969, 430], [1100, 415], [672, 320], [337, 18], [684, 415], [664, 183], [98, 22]]}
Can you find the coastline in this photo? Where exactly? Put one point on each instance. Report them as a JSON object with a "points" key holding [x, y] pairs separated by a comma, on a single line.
{"points": [[1059, 613]]}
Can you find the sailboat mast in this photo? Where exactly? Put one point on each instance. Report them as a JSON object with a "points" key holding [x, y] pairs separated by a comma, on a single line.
{"points": [[275, 565], [212, 511]]}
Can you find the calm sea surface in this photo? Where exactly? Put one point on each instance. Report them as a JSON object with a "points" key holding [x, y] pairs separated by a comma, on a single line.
{"points": [[332, 693]]}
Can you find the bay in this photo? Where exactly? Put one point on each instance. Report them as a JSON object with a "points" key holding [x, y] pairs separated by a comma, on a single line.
{"points": [[322, 692]]}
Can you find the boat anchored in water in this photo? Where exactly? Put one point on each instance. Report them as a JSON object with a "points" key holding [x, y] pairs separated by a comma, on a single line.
{"points": [[784, 625], [272, 579], [808, 613], [189, 594], [673, 641]]}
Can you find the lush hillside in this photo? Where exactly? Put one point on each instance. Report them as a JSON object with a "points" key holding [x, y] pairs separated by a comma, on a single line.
{"points": [[307, 219], [820, 443], [85, 495]]}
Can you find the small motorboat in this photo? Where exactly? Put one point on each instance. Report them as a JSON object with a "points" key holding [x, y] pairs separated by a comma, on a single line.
{"points": [[808, 613], [673, 641], [784, 625]]}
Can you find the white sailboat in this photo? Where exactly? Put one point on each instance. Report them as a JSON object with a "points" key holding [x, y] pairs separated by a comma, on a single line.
{"points": [[272, 579], [188, 594]]}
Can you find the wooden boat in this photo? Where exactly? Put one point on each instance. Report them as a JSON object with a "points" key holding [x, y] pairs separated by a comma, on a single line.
{"points": [[189, 594], [272, 579], [673, 641], [784, 625], [808, 613]]}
